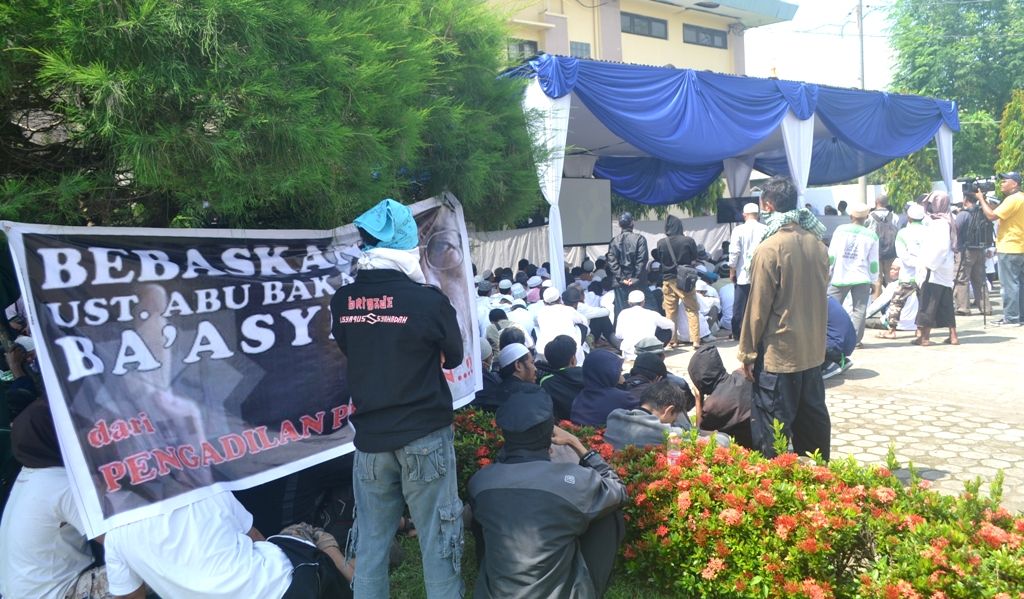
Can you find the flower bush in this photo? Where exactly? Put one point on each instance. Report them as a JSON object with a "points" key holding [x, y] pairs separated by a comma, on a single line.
{"points": [[727, 522]]}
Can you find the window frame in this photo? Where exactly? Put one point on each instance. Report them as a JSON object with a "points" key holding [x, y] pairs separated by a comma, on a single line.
{"points": [[633, 18], [707, 31]]}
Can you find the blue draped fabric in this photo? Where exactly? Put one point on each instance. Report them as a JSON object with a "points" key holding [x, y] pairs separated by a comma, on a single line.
{"points": [[688, 121], [832, 161], [884, 124], [655, 182], [679, 115]]}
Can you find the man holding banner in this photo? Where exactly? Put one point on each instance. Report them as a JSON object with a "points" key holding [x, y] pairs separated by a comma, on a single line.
{"points": [[396, 333]]}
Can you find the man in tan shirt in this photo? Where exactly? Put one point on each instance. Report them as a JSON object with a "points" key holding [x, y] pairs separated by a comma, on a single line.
{"points": [[782, 338]]}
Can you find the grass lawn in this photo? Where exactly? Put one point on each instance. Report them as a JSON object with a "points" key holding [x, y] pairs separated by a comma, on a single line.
{"points": [[407, 579]]}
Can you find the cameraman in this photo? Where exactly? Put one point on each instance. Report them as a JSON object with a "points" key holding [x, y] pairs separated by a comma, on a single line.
{"points": [[974, 235], [1009, 244]]}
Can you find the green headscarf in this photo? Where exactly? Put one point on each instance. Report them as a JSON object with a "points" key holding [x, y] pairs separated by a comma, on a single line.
{"points": [[800, 216]]}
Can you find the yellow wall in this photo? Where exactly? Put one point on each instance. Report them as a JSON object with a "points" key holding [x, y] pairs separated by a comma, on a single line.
{"points": [[640, 49], [582, 27]]}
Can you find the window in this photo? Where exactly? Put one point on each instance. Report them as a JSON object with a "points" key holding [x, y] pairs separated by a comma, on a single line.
{"points": [[579, 49], [641, 25], [521, 49], [702, 36]]}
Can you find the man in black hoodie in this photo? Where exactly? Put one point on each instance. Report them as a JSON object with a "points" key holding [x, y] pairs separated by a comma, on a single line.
{"points": [[561, 378], [725, 398], [396, 333], [675, 250]]}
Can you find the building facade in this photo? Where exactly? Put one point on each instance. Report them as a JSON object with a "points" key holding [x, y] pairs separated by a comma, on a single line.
{"points": [[693, 34]]}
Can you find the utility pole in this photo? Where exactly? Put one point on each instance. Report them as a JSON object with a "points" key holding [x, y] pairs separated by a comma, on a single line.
{"points": [[862, 181]]}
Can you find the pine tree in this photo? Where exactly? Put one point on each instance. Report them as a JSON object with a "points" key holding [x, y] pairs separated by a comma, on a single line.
{"points": [[255, 113]]}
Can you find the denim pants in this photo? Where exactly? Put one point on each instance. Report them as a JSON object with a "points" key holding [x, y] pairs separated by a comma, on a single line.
{"points": [[423, 476], [860, 295], [1011, 270]]}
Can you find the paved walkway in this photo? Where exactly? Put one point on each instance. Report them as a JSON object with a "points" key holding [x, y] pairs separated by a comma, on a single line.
{"points": [[956, 413]]}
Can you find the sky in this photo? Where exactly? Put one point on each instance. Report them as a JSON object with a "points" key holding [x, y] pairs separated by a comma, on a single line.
{"points": [[820, 45]]}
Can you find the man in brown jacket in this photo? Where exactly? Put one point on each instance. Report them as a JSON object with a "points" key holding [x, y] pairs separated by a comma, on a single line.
{"points": [[782, 339]]}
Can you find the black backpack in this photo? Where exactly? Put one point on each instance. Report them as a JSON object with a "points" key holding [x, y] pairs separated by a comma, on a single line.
{"points": [[885, 228], [977, 232]]}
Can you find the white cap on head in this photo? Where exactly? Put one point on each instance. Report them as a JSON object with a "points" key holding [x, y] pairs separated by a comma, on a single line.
{"points": [[915, 212], [588, 265], [510, 353], [636, 297], [751, 208], [518, 291], [543, 272], [27, 343], [533, 281], [551, 295], [505, 284], [858, 210], [547, 283]]}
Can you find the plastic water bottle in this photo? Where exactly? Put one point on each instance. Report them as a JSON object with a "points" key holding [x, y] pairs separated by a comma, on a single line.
{"points": [[675, 448]]}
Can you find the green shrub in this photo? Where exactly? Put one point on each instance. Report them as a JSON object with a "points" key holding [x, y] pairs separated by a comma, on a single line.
{"points": [[727, 522]]}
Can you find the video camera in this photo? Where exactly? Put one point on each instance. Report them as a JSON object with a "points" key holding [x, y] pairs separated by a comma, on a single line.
{"points": [[976, 185]]}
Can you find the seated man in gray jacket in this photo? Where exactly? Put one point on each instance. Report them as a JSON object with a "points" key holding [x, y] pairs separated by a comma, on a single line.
{"points": [[662, 409], [545, 529]]}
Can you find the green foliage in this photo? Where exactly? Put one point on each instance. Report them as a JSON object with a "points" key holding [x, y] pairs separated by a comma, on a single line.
{"points": [[703, 204], [1011, 135], [268, 113], [908, 177], [970, 52], [726, 522], [975, 146]]}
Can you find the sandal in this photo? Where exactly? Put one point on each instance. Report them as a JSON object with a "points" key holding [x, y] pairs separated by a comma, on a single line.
{"points": [[949, 341]]}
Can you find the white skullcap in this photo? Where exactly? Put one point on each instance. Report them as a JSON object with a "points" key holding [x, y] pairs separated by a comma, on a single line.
{"points": [[751, 208], [27, 343], [518, 291], [510, 353], [551, 295], [636, 297], [505, 284], [546, 284], [858, 210], [915, 212], [533, 281]]}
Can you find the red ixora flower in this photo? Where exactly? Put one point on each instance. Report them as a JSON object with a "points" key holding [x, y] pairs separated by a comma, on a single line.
{"points": [[884, 494], [715, 565], [731, 516], [482, 452], [661, 531], [784, 525], [683, 501], [484, 462]]}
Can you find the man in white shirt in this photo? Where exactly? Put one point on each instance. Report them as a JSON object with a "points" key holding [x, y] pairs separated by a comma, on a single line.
{"points": [[209, 549], [637, 322], [853, 259], [555, 318], [742, 242], [43, 552], [908, 251]]}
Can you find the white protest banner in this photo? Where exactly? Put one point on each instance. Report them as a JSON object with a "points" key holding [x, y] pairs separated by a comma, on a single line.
{"points": [[183, 362]]}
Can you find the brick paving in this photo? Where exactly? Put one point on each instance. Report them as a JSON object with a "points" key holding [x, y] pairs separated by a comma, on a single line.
{"points": [[954, 412]]}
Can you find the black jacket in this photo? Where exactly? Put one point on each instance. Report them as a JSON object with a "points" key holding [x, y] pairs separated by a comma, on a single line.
{"points": [[563, 386], [627, 256], [393, 331], [727, 396], [685, 248]]}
